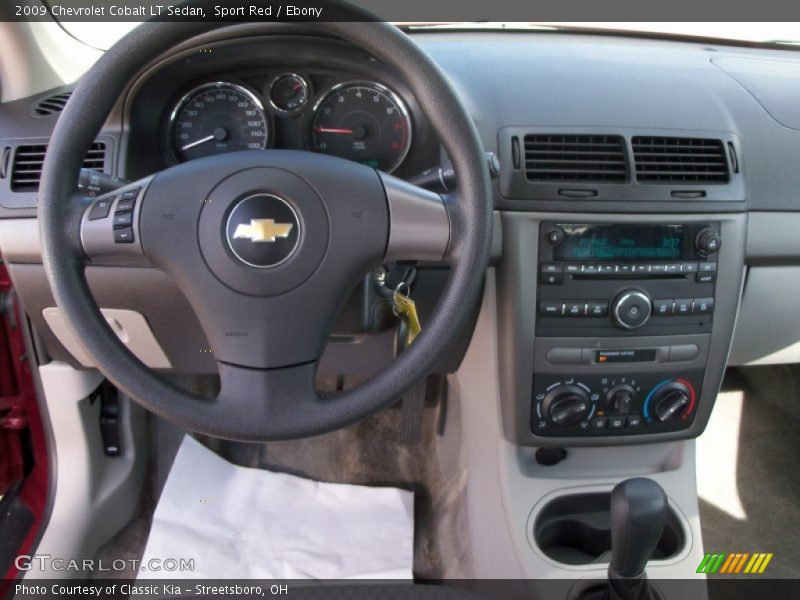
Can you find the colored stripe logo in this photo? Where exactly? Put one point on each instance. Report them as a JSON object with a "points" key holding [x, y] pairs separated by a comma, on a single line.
{"points": [[735, 563]]}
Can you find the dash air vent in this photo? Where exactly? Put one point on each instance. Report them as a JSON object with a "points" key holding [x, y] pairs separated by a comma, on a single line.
{"points": [[679, 160], [51, 105], [26, 171], [575, 158]]}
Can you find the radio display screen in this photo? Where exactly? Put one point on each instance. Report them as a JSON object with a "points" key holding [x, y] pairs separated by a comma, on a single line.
{"points": [[638, 242]]}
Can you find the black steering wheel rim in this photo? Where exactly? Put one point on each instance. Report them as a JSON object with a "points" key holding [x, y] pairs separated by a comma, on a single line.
{"points": [[64, 261]]}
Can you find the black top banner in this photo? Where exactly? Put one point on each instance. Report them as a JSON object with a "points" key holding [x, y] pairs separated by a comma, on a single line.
{"points": [[401, 10]]}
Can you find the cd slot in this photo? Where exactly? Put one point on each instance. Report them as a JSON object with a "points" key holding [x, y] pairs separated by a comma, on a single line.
{"points": [[582, 277]]}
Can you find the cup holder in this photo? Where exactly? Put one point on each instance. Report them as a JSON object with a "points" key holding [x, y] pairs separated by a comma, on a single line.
{"points": [[576, 530]]}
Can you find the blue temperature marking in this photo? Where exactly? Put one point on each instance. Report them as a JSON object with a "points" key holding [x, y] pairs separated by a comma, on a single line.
{"points": [[646, 404]]}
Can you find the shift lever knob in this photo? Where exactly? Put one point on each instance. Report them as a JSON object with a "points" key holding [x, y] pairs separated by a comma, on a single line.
{"points": [[638, 516]]}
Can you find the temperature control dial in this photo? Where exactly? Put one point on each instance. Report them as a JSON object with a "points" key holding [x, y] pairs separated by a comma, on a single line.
{"points": [[567, 405], [671, 401]]}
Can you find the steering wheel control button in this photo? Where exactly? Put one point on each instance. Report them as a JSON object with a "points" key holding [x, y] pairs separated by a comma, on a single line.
{"points": [[631, 309], [101, 208], [123, 219], [123, 235], [128, 200], [262, 230]]}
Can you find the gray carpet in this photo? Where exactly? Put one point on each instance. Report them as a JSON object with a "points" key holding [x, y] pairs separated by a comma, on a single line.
{"points": [[754, 434], [367, 453]]}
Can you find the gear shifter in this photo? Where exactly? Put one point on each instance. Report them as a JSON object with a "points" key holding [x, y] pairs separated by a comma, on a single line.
{"points": [[638, 516]]}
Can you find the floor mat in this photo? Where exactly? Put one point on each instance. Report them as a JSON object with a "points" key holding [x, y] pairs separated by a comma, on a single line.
{"points": [[748, 467], [367, 453], [244, 523]]}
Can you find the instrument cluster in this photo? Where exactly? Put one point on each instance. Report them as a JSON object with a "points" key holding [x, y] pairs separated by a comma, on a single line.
{"points": [[360, 120]]}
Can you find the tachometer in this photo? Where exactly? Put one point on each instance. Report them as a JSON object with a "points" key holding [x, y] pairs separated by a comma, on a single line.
{"points": [[216, 118], [364, 122]]}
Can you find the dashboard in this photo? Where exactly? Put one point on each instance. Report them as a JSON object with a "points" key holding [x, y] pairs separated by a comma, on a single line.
{"points": [[621, 160]]}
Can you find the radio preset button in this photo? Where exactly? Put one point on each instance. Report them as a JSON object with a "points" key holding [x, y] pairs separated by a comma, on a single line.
{"points": [[689, 268], [683, 306], [707, 266], [590, 269], [673, 268], [572, 268], [597, 309], [663, 308], [574, 309]]}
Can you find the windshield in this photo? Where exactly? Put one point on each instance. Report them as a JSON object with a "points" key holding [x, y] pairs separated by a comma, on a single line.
{"points": [[103, 35]]}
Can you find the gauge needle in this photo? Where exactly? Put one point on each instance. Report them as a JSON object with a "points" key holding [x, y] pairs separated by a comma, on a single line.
{"points": [[333, 130], [208, 138]]}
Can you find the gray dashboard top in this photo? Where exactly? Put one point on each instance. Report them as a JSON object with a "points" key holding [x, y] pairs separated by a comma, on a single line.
{"points": [[560, 80]]}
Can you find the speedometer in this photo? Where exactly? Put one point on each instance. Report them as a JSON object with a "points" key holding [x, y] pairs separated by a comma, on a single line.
{"points": [[216, 118], [365, 122]]}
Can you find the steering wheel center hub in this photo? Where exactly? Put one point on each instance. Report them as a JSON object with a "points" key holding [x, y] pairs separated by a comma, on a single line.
{"points": [[262, 230]]}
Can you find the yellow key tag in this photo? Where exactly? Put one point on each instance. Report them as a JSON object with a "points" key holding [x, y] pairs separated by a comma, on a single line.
{"points": [[405, 308]]}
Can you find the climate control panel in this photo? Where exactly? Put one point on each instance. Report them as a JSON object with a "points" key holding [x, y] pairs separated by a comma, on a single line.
{"points": [[602, 405]]}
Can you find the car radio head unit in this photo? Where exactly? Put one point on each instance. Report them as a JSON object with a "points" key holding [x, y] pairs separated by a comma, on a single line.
{"points": [[626, 279]]}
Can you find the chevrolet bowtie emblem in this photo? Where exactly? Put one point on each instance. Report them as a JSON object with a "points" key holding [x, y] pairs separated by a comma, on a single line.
{"points": [[262, 230]]}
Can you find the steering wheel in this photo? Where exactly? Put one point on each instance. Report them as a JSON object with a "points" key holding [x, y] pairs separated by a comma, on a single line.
{"points": [[266, 246]]}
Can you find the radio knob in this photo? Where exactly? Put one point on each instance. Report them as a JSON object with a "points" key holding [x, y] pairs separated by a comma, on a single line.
{"points": [[671, 401], [708, 241], [555, 236], [567, 405], [631, 309]]}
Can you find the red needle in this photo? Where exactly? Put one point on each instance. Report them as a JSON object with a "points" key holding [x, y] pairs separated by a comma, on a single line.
{"points": [[333, 130]]}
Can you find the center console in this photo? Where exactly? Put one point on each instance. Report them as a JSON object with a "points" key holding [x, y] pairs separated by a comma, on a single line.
{"points": [[623, 326]]}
